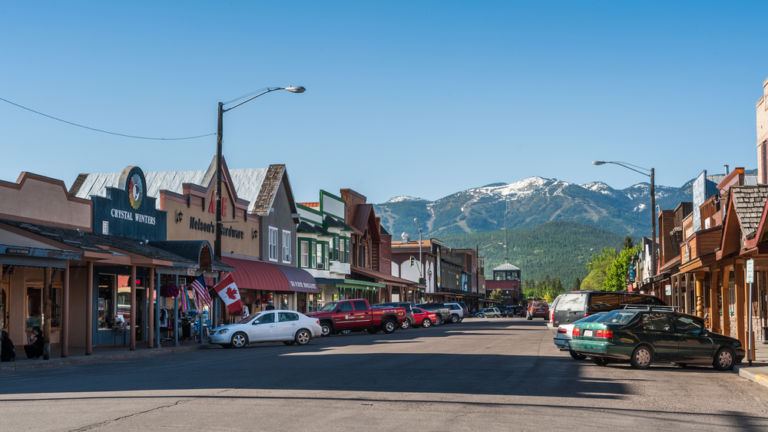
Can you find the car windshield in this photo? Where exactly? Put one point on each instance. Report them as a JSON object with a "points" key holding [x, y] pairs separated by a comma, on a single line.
{"points": [[617, 317], [591, 318], [248, 319], [328, 307]]}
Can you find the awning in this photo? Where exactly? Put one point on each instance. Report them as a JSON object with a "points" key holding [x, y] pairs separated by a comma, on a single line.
{"points": [[258, 275]]}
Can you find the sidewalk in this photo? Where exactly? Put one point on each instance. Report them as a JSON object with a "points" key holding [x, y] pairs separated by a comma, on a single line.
{"points": [[758, 372], [77, 356]]}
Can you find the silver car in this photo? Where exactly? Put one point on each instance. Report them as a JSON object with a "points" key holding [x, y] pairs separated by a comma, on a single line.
{"points": [[285, 326]]}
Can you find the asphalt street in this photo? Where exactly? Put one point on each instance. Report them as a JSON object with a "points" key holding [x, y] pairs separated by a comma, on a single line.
{"points": [[492, 374]]}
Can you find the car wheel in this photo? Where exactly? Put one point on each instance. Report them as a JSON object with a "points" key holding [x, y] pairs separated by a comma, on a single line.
{"points": [[724, 359], [406, 324], [576, 356], [600, 361], [288, 342], [427, 323], [326, 328], [302, 337], [239, 340], [642, 357], [454, 319], [389, 326]]}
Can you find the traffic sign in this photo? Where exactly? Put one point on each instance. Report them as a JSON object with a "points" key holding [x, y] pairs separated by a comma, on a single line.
{"points": [[750, 270]]}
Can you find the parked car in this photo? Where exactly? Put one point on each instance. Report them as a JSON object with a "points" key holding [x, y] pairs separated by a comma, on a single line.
{"points": [[464, 307], [457, 312], [356, 315], [443, 312], [270, 326], [489, 312], [644, 335], [537, 309], [575, 305], [563, 336], [423, 317], [408, 321]]}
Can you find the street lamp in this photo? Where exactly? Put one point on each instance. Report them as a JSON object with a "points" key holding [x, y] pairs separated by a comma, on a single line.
{"points": [[421, 275], [649, 172], [219, 134]]}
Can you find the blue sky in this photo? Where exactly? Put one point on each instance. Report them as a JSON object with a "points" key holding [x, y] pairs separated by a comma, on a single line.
{"points": [[403, 97]]}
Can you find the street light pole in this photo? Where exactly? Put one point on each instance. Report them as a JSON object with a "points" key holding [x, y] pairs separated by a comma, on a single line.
{"points": [[652, 174], [421, 272], [219, 135]]}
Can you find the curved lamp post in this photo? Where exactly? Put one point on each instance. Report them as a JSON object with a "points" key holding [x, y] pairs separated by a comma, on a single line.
{"points": [[648, 172], [219, 133]]}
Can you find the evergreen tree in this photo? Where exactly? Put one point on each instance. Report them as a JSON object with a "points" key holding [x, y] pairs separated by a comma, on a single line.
{"points": [[627, 242]]}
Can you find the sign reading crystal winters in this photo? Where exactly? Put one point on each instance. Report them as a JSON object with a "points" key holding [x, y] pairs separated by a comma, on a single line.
{"points": [[127, 211]]}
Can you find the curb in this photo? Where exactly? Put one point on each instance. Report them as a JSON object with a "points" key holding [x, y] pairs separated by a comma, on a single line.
{"points": [[83, 359], [757, 377]]}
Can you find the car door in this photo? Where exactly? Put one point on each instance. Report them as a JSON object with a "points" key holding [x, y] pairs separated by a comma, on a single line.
{"points": [[287, 325], [363, 314], [693, 344], [344, 316], [658, 332], [262, 328]]}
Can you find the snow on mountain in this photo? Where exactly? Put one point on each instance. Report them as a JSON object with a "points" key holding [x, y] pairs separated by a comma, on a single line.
{"points": [[599, 187], [403, 198]]}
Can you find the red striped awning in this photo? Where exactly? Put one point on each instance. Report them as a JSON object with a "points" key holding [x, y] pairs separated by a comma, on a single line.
{"points": [[258, 275]]}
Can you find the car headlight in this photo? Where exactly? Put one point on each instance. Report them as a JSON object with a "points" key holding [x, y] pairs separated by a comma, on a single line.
{"points": [[222, 331]]}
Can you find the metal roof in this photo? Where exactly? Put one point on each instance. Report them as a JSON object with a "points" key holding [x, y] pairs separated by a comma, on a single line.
{"points": [[506, 266]]}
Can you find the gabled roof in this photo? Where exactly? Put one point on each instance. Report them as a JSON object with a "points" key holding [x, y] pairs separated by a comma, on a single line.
{"points": [[748, 203], [308, 228], [332, 222], [269, 182]]}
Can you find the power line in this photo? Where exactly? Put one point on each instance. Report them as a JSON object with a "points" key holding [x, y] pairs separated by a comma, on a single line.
{"points": [[103, 130]]}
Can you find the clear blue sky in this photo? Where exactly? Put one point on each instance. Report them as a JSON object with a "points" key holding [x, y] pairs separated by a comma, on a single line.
{"points": [[418, 98]]}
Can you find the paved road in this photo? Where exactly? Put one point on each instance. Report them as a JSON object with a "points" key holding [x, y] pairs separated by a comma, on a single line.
{"points": [[480, 375]]}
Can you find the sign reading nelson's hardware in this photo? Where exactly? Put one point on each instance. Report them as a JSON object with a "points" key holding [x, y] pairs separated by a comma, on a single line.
{"points": [[127, 211], [210, 227]]}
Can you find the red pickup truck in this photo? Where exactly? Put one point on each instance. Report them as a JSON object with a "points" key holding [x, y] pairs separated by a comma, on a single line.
{"points": [[357, 314]]}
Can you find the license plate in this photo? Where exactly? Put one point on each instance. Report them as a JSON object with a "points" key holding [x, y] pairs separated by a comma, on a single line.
{"points": [[588, 333]]}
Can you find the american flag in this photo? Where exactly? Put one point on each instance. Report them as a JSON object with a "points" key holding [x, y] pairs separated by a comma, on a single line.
{"points": [[201, 290]]}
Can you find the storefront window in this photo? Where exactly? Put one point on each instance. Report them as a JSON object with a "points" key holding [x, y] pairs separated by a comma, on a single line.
{"points": [[34, 307], [106, 302]]}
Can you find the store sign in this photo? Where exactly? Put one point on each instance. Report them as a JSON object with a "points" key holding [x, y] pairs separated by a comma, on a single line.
{"points": [[17, 251], [127, 211], [668, 289]]}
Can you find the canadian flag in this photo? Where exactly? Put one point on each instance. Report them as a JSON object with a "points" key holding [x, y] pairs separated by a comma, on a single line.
{"points": [[228, 292]]}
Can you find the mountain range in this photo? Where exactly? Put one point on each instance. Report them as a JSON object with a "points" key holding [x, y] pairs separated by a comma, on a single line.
{"points": [[528, 203]]}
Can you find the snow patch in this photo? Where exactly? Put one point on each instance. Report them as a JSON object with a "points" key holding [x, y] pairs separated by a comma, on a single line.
{"points": [[403, 198]]}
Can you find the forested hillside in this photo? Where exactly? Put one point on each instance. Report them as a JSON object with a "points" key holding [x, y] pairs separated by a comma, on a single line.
{"points": [[554, 249]]}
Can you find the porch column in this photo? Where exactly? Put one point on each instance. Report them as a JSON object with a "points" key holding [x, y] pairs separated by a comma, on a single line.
{"points": [[65, 315], [89, 311], [176, 314], [151, 318], [47, 282], [134, 314], [726, 293], [741, 316], [699, 281], [714, 291], [157, 309]]}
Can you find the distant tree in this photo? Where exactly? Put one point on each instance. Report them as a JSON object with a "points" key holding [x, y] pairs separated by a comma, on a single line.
{"points": [[496, 295], [577, 284], [616, 273], [598, 266], [627, 243]]}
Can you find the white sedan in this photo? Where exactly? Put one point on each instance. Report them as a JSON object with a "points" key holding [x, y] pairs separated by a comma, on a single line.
{"points": [[284, 326]]}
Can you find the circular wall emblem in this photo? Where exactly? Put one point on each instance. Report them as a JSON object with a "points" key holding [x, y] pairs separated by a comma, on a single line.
{"points": [[135, 190]]}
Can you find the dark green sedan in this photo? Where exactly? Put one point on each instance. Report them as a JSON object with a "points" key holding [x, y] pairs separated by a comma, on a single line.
{"points": [[650, 334]]}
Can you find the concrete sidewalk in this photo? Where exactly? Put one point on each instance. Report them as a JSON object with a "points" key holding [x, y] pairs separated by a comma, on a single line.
{"points": [[758, 372], [99, 355]]}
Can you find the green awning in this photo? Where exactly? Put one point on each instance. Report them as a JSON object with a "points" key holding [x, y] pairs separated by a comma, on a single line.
{"points": [[352, 283]]}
